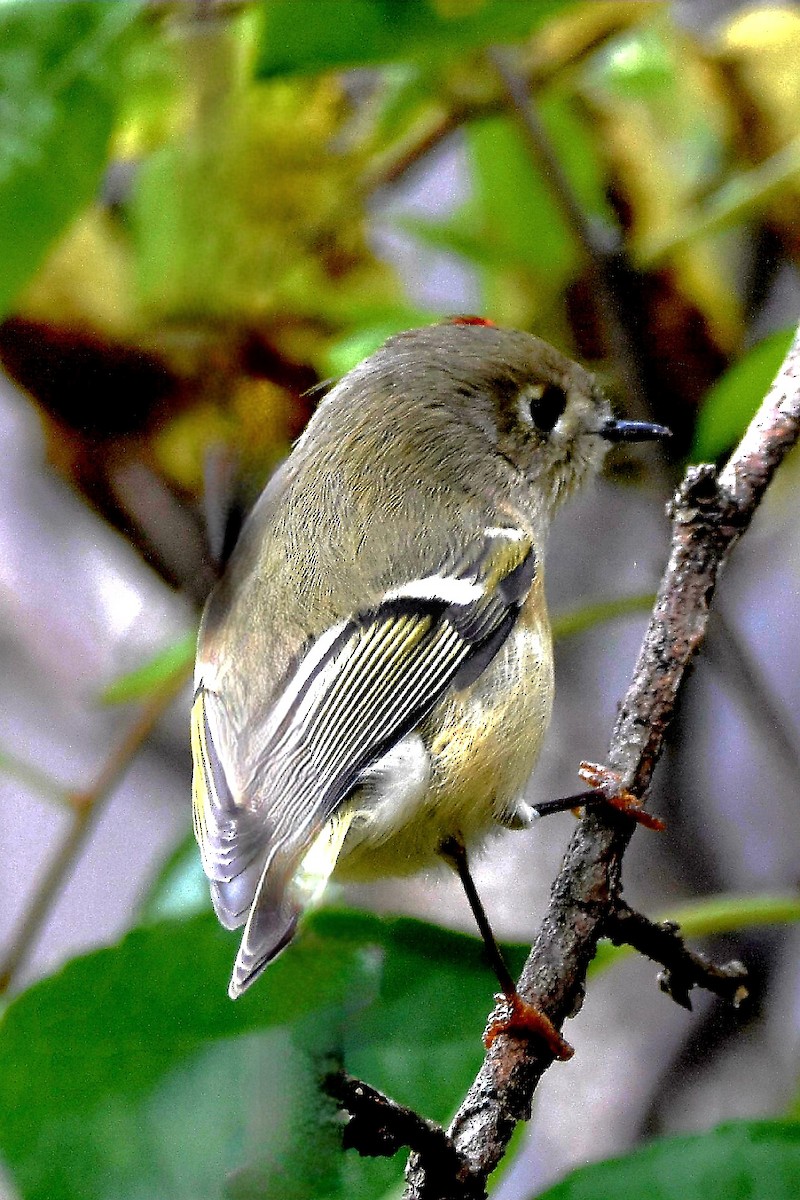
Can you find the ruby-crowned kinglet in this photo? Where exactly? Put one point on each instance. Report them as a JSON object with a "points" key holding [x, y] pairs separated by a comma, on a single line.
{"points": [[375, 668]]}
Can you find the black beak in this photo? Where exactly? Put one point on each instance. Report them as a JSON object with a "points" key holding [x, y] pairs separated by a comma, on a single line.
{"points": [[633, 431]]}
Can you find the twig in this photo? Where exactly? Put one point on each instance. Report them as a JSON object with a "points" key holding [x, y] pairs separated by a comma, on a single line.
{"points": [[393, 169], [379, 1127], [34, 778], [684, 969], [709, 515], [715, 915], [600, 241], [86, 807]]}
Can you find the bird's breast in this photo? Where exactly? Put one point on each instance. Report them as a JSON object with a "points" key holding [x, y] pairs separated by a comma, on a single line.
{"points": [[485, 740]]}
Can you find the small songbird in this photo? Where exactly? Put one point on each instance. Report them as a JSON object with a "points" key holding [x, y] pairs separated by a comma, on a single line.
{"points": [[375, 668]]}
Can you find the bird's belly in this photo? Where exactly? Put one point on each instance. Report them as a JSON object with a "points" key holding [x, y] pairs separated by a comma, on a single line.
{"points": [[463, 771]]}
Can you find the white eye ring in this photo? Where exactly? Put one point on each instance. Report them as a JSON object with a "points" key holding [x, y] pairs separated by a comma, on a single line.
{"points": [[542, 405], [531, 392]]}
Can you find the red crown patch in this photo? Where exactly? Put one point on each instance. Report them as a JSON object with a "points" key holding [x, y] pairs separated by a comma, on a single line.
{"points": [[467, 320]]}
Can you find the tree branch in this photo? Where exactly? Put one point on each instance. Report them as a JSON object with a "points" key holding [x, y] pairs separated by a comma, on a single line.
{"points": [[684, 969], [709, 515], [379, 1127]]}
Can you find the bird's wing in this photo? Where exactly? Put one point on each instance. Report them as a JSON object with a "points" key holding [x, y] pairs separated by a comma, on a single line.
{"points": [[356, 691]]}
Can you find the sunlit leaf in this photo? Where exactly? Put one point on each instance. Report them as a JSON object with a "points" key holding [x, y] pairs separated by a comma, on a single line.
{"points": [[317, 35], [641, 66], [59, 76], [756, 1160], [733, 400], [346, 352]]}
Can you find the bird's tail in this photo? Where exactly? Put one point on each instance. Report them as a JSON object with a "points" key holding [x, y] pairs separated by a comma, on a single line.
{"points": [[284, 891]]}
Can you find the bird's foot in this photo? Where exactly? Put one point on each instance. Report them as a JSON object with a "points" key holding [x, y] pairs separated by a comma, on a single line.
{"points": [[515, 1016], [608, 784]]}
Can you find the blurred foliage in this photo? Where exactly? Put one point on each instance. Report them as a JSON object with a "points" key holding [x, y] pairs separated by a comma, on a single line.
{"points": [[756, 1159], [59, 88], [316, 35], [186, 196], [160, 1086]]}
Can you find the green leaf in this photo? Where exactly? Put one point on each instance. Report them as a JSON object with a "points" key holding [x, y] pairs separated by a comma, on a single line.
{"points": [[734, 399], [346, 352], [515, 200], [59, 76], [578, 620], [513, 220], [639, 65], [160, 671], [180, 888], [460, 235], [747, 1160], [130, 1073], [318, 35]]}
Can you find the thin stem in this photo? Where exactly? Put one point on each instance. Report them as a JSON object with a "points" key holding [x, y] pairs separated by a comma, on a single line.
{"points": [[33, 778], [87, 807]]}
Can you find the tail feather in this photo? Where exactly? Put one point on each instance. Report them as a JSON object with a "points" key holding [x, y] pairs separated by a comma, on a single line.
{"points": [[233, 898], [255, 955], [286, 888]]}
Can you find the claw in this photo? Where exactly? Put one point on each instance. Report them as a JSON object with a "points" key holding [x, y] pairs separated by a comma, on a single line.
{"points": [[609, 784], [514, 1015]]}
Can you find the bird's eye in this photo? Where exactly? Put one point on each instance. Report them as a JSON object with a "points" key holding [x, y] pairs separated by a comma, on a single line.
{"points": [[546, 404]]}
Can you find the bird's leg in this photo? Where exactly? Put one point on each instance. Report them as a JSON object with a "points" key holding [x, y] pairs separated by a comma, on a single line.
{"points": [[546, 808], [512, 1014], [606, 788]]}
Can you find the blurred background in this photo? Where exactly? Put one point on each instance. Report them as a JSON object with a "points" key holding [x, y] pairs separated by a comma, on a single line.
{"points": [[206, 211]]}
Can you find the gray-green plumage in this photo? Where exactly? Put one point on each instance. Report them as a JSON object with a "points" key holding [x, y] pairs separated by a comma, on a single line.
{"points": [[374, 671]]}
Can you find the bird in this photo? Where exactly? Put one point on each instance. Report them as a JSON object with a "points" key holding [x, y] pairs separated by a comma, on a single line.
{"points": [[374, 671]]}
